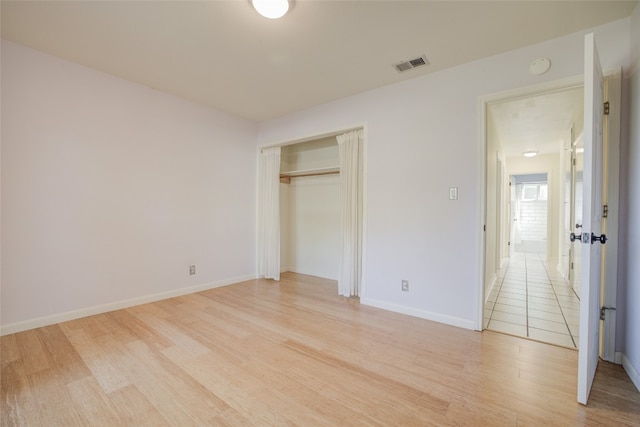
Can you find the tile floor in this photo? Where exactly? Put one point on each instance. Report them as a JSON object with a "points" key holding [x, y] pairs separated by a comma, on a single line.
{"points": [[531, 299]]}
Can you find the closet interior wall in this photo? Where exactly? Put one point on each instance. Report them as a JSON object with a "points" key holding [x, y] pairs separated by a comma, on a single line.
{"points": [[310, 208]]}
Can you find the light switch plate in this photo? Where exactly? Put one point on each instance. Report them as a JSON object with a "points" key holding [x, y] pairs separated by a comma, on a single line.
{"points": [[453, 193]]}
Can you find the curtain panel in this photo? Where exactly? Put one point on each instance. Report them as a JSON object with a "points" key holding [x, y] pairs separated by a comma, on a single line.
{"points": [[349, 146], [269, 214]]}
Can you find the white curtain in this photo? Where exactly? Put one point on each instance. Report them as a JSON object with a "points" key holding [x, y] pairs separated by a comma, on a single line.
{"points": [[351, 213], [269, 214]]}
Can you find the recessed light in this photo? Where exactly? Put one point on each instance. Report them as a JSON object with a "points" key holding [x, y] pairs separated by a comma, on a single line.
{"points": [[530, 153]]}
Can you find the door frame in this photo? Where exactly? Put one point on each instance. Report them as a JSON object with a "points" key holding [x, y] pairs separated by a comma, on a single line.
{"points": [[612, 94], [613, 88], [483, 103]]}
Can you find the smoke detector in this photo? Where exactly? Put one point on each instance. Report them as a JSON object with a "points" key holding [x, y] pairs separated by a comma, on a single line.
{"points": [[411, 64]]}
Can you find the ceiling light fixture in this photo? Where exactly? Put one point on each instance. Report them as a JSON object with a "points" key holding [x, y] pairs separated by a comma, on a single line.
{"points": [[272, 9], [530, 153]]}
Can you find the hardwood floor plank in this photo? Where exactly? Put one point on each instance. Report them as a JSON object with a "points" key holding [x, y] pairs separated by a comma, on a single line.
{"points": [[230, 418], [264, 353], [92, 404], [54, 404], [168, 389], [133, 408], [9, 349], [173, 334], [104, 358], [129, 328], [32, 352], [18, 405], [231, 384], [64, 357]]}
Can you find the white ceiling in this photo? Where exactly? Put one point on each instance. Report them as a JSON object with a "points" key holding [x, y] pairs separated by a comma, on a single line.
{"points": [[537, 123], [223, 54]]}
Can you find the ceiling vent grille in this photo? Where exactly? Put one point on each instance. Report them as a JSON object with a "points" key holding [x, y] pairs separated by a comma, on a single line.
{"points": [[411, 64]]}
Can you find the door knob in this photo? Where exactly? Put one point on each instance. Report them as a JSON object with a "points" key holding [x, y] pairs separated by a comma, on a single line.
{"points": [[578, 225], [602, 238], [573, 237]]}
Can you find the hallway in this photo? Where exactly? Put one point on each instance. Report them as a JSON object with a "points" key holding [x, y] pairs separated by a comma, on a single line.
{"points": [[531, 299]]}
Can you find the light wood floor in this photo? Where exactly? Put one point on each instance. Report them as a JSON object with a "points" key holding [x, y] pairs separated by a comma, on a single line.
{"points": [[292, 353]]}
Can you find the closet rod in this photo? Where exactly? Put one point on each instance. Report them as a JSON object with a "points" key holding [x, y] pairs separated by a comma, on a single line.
{"points": [[309, 174], [285, 178]]}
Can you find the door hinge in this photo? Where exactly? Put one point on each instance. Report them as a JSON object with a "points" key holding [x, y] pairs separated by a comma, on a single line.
{"points": [[603, 309], [484, 228], [605, 211], [606, 108], [573, 161], [572, 266]]}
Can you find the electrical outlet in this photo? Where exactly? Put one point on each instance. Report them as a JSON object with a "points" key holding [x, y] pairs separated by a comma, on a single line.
{"points": [[405, 286], [192, 270]]}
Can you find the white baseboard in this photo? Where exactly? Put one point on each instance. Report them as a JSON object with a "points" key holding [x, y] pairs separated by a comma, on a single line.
{"points": [[13, 328], [447, 320], [493, 283], [617, 357], [631, 371]]}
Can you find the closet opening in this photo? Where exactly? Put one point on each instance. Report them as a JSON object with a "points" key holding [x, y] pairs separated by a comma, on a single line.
{"points": [[310, 209]]}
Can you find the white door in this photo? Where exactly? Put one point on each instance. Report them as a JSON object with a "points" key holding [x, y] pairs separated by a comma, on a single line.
{"points": [[591, 221]]}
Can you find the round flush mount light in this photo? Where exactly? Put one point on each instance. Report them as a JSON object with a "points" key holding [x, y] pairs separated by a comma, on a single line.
{"points": [[540, 66], [272, 9], [530, 153]]}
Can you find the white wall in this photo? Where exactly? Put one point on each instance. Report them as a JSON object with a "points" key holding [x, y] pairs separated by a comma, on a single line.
{"points": [[628, 312], [314, 226], [110, 190], [422, 138]]}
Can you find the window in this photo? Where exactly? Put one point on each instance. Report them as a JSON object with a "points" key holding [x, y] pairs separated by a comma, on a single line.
{"points": [[542, 193], [533, 192]]}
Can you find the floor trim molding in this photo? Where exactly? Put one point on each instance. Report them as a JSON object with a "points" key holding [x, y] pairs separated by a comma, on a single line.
{"points": [[423, 314], [631, 371], [26, 325]]}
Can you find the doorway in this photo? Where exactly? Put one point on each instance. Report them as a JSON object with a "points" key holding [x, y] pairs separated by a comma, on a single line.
{"points": [[527, 291], [497, 251]]}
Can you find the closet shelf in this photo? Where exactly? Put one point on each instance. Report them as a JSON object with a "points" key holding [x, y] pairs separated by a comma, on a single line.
{"points": [[285, 177]]}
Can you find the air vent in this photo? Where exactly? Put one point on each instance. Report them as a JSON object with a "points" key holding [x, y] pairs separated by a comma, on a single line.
{"points": [[410, 64]]}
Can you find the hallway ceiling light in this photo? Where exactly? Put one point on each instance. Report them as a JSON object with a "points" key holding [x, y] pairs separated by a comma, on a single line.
{"points": [[272, 9], [530, 153]]}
